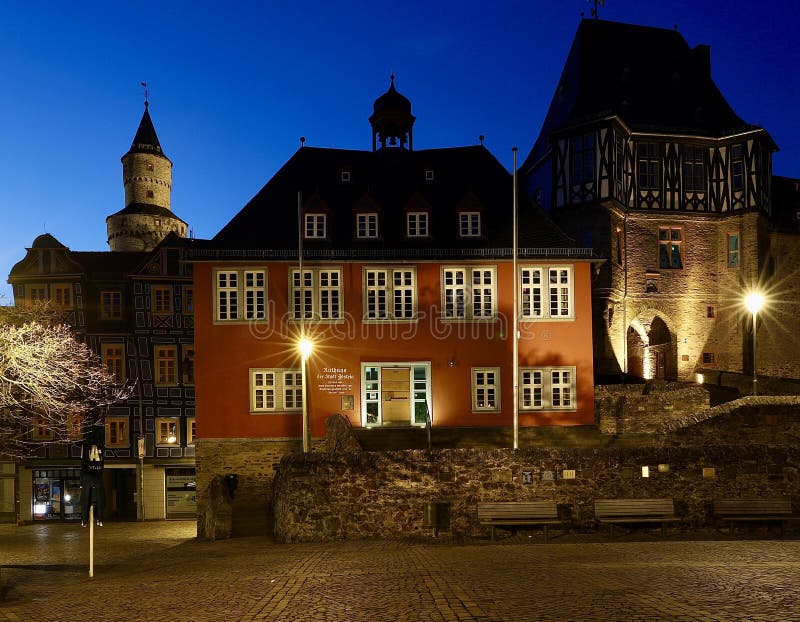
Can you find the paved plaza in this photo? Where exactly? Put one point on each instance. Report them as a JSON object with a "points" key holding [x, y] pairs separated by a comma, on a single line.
{"points": [[158, 571]]}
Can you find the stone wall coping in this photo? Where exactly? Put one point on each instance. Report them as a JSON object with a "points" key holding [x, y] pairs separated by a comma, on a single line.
{"points": [[726, 408]]}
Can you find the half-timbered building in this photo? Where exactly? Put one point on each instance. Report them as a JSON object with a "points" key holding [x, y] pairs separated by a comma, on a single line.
{"points": [[134, 306], [641, 157]]}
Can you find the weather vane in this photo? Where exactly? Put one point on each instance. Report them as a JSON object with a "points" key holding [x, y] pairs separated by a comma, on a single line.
{"points": [[597, 3], [146, 93]]}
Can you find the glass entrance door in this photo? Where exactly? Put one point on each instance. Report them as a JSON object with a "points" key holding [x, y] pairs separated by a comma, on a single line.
{"points": [[395, 394]]}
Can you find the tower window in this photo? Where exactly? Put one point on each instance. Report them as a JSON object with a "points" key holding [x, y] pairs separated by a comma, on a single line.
{"points": [[149, 166], [150, 194]]}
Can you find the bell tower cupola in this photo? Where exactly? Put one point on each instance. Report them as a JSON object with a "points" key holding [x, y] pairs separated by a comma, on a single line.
{"points": [[392, 121], [147, 179]]}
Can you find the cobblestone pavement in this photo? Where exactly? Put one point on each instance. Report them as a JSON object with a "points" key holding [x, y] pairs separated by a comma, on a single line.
{"points": [[158, 571]]}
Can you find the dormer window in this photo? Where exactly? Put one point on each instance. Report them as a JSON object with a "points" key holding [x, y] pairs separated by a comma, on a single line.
{"points": [[429, 176], [344, 177], [316, 226], [469, 224], [417, 224], [367, 225]]}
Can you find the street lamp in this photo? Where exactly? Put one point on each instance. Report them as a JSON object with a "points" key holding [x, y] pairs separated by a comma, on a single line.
{"points": [[305, 346], [754, 302]]}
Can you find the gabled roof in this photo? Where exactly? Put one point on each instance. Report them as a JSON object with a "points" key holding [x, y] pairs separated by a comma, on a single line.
{"points": [[649, 77], [387, 179]]}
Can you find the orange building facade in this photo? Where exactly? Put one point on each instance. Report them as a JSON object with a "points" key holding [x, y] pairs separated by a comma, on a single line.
{"points": [[386, 373]]}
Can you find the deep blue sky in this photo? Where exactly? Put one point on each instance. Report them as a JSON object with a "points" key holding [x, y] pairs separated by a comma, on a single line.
{"points": [[234, 85]]}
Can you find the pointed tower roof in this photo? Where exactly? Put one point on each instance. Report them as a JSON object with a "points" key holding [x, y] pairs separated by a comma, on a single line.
{"points": [[146, 139]]}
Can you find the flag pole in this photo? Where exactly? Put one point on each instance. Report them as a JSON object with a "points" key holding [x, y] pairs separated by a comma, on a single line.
{"points": [[515, 316]]}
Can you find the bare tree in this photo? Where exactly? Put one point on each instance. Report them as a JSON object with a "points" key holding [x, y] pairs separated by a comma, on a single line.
{"points": [[52, 386]]}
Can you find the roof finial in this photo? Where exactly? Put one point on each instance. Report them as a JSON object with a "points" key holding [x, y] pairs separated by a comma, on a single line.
{"points": [[146, 94], [597, 4], [391, 77]]}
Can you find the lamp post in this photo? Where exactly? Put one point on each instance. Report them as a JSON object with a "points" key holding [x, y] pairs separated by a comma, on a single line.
{"points": [[754, 302], [306, 346]]}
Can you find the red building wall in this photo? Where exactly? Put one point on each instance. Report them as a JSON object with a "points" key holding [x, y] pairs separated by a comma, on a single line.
{"points": [[226, 352]]}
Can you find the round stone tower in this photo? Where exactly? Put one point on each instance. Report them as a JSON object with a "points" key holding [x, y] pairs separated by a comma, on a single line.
{"points": [[147, 178]]}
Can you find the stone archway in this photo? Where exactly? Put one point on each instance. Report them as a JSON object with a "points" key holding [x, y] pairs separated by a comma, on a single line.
{"points": [[651, 351]]}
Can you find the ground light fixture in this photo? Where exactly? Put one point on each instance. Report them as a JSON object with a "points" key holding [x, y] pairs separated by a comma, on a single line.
{"points": [[754, 301]]}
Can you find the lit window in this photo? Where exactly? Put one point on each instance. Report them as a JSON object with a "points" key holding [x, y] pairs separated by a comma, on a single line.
{"points": [[161, 299], [41, 429], [469, 224], [547, 388], [110, 305], [113, 356], [670, 253], [468, 293], [486, 389], [582, 148], [316, 225], [166, 368], [733, 250], [276, 390], [168, 431], [417, 224], [318, 294], [117, 432], [694, 169], [649, 166], [390, 294], [546, 292], [233, 287], [367, 225], [191, 430]]}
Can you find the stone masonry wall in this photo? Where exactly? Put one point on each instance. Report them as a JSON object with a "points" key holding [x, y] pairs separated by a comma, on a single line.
{"points": [[645, 408], [319, 497]]}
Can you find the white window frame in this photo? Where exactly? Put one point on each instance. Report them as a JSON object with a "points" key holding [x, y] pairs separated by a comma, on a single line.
{"points": [[367, 226], [417, 224], [316, 226], [485, 380], [547, 388], [469, 224], [547, 292], [240, 294], [324, 302], [271, 389], [385, 289], [473, 296]]}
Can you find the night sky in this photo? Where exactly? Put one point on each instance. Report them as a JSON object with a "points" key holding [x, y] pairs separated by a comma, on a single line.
{"points": [[234, 85]]}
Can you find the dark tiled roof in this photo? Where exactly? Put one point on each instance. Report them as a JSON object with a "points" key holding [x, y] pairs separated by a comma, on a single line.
{"points": [[389, 181], [786, 204], [146, 139], [147, 208], [47, 241], [100, 265], [649, 77]]}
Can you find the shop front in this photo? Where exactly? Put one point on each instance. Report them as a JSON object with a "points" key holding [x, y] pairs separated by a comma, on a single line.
{"points": [[180, 488], [57, 494]]}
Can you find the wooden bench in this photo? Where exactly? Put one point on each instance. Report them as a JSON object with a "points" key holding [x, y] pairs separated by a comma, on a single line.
{"points": [[631, 511], [518, 513], [758, 509]]}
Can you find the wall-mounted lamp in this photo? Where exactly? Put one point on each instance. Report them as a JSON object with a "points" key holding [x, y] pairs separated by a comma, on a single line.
{"points": [[451, 363]]}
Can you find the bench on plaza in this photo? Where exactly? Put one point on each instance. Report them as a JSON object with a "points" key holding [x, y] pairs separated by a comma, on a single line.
{"points": [[635, 511], [518, 514], [755, 510]]}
